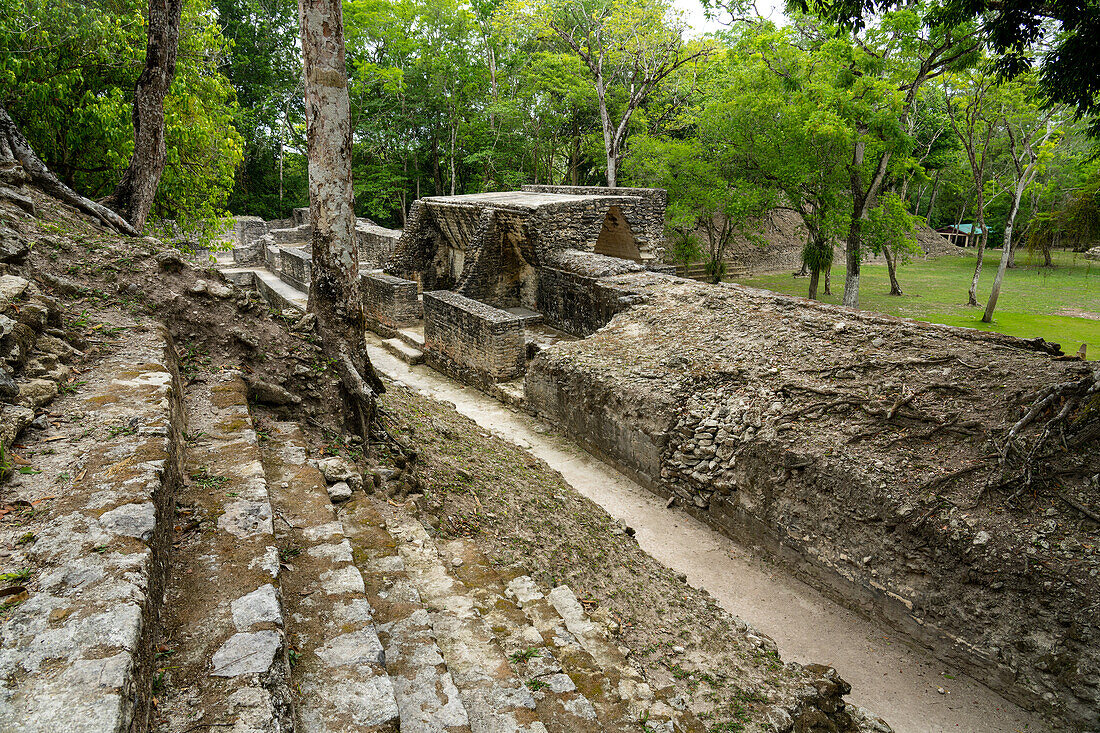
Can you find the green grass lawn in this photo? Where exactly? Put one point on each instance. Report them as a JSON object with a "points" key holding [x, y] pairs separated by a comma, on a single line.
{"points": [[1035, 301]]}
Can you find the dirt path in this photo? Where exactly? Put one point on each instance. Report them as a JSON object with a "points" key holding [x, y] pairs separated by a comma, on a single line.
{"points": [[888, 675]]}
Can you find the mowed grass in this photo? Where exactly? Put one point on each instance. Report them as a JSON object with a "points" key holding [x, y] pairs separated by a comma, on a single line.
{"points": [[1061, 304]]}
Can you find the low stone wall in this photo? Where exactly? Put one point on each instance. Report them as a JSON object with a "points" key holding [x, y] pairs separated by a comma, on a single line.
{"points": [[389, 301], [271, 257], [375, 243], [296, 266], [471, 341], [247, 229], [300, 216], [572, 297], [293, 235], [803, 429]]}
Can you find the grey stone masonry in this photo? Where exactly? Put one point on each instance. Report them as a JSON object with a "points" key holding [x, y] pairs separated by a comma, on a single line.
{"points": [[296, 266], [472, 341], [293, 235], [77, 654], [572, 295], [644, 209], [388, 300], [248, 229], [301, 216], [271, 257], [375, 243]]}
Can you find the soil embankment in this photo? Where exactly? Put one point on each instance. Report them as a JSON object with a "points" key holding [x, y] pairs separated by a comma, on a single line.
{"points": [[891, 676]]}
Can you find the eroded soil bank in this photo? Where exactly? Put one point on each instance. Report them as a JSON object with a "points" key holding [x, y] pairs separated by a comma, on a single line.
{"points": [[895, 679]]}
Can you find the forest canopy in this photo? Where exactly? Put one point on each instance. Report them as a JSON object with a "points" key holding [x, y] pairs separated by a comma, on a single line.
{"points": [[864, 118]]}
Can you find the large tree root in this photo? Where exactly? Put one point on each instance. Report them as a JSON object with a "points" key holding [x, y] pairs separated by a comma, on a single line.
{"points": [[14, 148]]}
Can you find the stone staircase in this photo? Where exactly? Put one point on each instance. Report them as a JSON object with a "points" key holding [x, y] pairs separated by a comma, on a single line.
{"points": [[288, 612], [196, 571], [223, 645]]}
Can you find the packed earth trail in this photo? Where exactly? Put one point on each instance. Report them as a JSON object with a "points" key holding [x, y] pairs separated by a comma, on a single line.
{"points": [[897, 679]]}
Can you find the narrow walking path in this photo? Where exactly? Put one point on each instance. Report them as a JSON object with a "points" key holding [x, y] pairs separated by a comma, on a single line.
{"points": [[888, 675]]}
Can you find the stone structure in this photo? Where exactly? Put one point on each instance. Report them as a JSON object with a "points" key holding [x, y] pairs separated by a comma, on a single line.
{"points": [[256, 242], [490, 246], [389, 301], [471, 340], [804, 429], [296, 266]]}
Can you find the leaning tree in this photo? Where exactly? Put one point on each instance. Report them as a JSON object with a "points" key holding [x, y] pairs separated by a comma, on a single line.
{"points": [[18, 162], [334, 293]]}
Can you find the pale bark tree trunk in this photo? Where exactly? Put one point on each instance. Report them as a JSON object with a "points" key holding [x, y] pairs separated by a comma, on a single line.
{"points": [[972, 294], [932, 198], [828, 288], [334, 294], [891, 268], [16, 151], [133, 197], [1025, 155]]}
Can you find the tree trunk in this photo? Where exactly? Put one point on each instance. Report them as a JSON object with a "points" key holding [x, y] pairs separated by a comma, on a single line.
{"points": [[15, 150], [133, 197], [995, 292], [814, 275], [932, 198], [891, 268], [334, 295], [608, 131], [828, 289], [972, 295]]}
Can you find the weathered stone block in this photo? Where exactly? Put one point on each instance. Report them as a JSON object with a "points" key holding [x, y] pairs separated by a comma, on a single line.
{"points": [[296, 266], [473, 341], [388, 300]]}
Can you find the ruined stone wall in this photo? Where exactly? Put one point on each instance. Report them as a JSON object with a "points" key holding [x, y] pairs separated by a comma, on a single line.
{"points": [[848, 446], [272, 256], [572, 297], [644, 209], [472, 341], [296, 266], [389, 301], [374, 243], [292, 235]]}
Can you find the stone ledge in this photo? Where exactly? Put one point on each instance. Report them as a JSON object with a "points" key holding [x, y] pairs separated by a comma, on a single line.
{"points": [[77, 655]]}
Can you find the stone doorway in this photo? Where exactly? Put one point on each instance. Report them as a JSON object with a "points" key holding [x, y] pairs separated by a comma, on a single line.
{"points": [[616, 238]]}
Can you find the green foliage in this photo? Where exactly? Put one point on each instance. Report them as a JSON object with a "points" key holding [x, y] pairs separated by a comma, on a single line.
{"points": [[67, 73], [889, 225]]}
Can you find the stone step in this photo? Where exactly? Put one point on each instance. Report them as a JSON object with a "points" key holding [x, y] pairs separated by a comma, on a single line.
{"points": [[413, 336], [277, 292], [560, 704], [530, 317], [595, 663], [496, 700], [223, 650], [338, 675], [403, 351], [89, 546], [426, 694]]}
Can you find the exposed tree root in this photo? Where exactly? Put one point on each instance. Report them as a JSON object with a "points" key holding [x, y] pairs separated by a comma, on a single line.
{"points": [[14, 148]]}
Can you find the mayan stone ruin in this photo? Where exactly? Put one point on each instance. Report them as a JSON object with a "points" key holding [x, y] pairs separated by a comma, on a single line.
{"points": [[292, 591]]}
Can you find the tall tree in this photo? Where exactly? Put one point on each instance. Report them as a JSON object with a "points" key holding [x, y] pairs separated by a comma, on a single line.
{"points": [[133, 197], [628, 46], [335, 296], [1029, 131], [889, 65], [976, 127]]}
